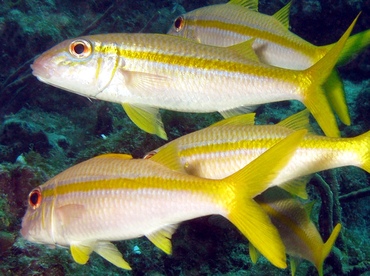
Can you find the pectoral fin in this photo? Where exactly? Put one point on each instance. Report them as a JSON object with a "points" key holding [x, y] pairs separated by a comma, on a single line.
{"points": [[147, 118], [110, 252], [69, 213]]}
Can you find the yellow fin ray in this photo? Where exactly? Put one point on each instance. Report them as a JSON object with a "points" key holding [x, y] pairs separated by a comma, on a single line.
{"points": [[316, 101], [294, 263], [246, 214], [355, 44], [297, 186], [147, 118], [335, 92], [249, 4], [168, 157], [297, 121], [245, 50], [239, 120], [362, 148], [282, 15], [253, 253], [81, 252], [229, 113], [162, 238], [328, 245], [110, 252]]}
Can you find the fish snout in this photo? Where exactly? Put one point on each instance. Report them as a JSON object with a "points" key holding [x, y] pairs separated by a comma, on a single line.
{"points": [[40, 69]]}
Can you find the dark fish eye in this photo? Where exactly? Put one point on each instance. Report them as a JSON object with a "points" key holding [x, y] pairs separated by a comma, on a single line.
{"points": [[34, 198], [179, 23], [80, 48]]}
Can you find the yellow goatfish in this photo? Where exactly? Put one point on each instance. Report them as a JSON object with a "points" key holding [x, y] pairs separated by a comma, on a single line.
{"points": [[227, 146], [298, 233], [114, 197], [146, 72], [239, 20]]}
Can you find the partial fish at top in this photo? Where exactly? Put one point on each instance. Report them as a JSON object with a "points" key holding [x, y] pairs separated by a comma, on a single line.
{"points": [[146, 72], [238, 20]]}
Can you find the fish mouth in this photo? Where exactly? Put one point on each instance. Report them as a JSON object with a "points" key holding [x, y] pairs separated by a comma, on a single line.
{"points": [[39, 70]]}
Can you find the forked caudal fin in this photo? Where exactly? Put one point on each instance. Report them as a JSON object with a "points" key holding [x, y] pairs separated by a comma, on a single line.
{"points": [[326, 248], [249, 182], [315, 98], [362, 148]]}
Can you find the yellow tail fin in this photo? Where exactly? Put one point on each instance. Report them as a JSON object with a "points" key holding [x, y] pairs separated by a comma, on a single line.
{"points": [[334, 86], [362, 148], [334, 89], [325, 250], [245, 213], [354, 46], [315, 76]]}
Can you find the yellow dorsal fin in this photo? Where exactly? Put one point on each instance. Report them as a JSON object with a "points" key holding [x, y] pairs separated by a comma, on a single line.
{"points": [[240, 120], [297, 121], [245, 50], [162, 238], [249, 4], [168, 156], [81, 252], [282, 15], [114, 155], [109, 252], [147, 118]]}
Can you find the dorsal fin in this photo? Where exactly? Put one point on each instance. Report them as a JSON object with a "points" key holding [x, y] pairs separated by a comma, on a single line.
{"points": [[297, 121], [114, 155], [240, 120], [245, 50], [282, 15], [249, 4], [168, 156]]}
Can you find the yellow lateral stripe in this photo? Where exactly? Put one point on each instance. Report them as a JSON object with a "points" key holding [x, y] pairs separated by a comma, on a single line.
{"points": [[229, 147], [197, 60], [129, 184]]}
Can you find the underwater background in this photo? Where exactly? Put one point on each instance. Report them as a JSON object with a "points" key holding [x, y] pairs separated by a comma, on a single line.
{"points": [[45, 130]]}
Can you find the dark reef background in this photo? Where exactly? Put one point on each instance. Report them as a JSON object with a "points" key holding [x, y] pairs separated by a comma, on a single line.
{"points": [[45, 130]]}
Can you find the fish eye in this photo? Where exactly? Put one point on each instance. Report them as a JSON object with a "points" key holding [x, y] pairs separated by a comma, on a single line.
{"points": [[179, 23], [80, 48], [34, 198]]}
